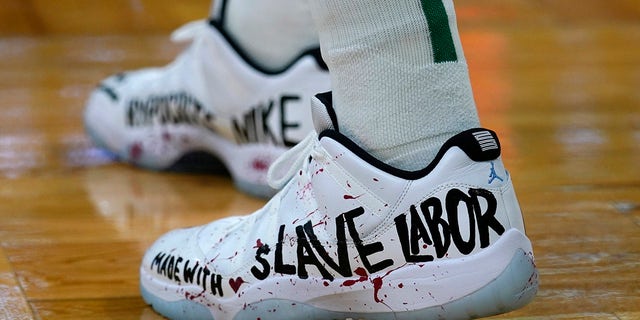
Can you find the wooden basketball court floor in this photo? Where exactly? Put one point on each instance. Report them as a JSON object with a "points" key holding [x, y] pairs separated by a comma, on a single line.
{"points": [[558, 80]]}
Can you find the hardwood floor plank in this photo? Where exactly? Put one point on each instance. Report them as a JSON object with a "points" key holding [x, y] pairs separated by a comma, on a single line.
{"points": [[77, 271], [628, 315], [115, 16], [13, 304], [124, 309]]}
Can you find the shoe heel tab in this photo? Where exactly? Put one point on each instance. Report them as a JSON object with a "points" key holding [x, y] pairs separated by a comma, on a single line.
{"points": [[322, 112], [316, 53], [313, 52], [479, 144]]}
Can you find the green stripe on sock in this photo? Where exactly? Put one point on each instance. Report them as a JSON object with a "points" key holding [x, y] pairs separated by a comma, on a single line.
{"points": [[443, 48]]}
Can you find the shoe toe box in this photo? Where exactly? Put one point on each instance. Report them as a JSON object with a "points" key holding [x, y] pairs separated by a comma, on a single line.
{"points": [[104, 119], [189, 244], [172, 249]]}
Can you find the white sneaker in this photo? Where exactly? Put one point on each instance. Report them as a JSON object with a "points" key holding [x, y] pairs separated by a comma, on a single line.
{"points": [[349, 237], [210, 100]]}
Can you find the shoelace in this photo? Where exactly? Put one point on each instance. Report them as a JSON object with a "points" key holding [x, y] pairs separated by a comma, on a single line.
{"points": [[190, 31], [293, 160], [194, 32]]}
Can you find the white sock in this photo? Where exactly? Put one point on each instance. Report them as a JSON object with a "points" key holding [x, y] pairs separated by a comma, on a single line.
{"points": [[400, 83], [271, 32]]}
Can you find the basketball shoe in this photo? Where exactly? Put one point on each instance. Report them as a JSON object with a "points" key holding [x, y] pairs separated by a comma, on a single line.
{"points": [[212, 100], [349, 237]]}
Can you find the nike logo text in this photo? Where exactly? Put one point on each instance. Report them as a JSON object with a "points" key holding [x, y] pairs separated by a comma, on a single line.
{"points": [[255, 125]]}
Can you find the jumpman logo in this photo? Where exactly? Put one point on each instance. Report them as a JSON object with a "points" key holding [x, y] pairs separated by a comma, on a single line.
{"points": [[493, 175]]}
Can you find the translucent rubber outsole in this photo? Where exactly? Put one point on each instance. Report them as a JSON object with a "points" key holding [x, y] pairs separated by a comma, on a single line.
{"points": [[513, 288]]}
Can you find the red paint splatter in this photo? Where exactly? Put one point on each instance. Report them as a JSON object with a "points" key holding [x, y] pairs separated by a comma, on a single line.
{"points": [[326, 283], [260, 165], [259, 244], [348, 185], [377, 284], [135, 151], [303, 191], [236, 283], [361, 272], [307, 216], [214, 258], [322, 221], [319, 224], [401, 285], [235, 254], [349, 283], [363, 277], [191, 296], [350, 197]]}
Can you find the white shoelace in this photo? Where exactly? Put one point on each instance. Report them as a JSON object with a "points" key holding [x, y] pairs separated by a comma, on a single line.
{"points": [[293, 160], [190, 31], [195, 32]]}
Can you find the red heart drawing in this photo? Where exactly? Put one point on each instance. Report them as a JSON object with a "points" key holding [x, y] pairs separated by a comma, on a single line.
{"points": [[236, 283]]}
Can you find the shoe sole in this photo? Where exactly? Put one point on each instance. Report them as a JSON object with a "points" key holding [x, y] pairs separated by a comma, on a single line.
{"points": [[247, 164], [513, 286]]}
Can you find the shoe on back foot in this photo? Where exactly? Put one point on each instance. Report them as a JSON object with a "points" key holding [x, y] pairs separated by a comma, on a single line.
{"points": [[210, 100]]}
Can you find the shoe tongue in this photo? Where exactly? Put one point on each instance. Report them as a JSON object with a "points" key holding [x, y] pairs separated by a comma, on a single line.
{"points": [[322, 112]]}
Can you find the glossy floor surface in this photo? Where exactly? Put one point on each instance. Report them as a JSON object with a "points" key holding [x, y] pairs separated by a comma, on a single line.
{"points": [[558, 80]]}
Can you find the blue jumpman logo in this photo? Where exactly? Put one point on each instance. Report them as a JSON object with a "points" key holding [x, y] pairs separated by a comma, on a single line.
{"points": [[493, 175]]}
